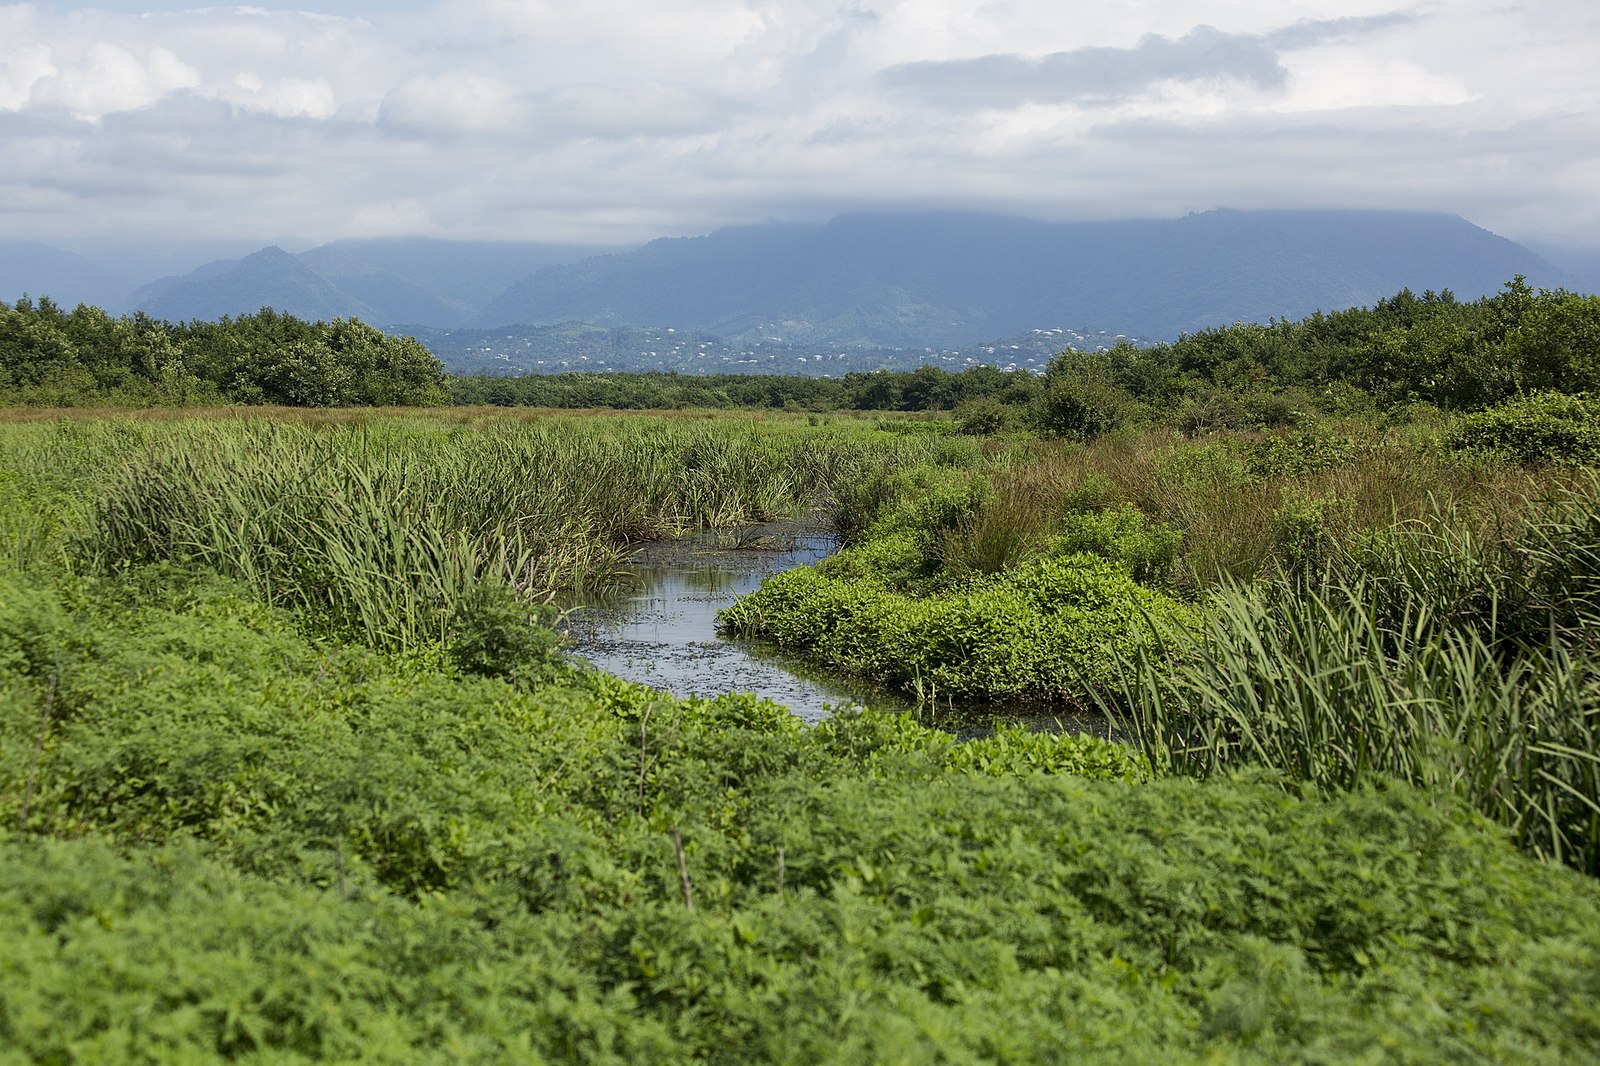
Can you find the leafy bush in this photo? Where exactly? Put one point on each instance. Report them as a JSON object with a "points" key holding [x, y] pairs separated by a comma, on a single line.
{"points": [[1041, 630], [984, 417], [1543, 428], [1081, 400], [1149, 550]]}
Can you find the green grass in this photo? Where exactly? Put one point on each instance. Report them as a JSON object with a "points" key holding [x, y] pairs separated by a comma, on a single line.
{"points": [[1429, 657], [386, 526]]}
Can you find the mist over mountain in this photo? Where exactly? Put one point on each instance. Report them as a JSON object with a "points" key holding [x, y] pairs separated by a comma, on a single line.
{"points": [[911, 282], [1581, 265], [399, 281], [939, 279], [66, 277]]}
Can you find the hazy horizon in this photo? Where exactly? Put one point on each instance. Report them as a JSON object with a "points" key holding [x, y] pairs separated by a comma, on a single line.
{"points": [[615, 122]]}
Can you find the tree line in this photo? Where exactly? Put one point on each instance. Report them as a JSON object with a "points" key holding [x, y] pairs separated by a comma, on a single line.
{"points": [[1408, 349], [50, 356]]}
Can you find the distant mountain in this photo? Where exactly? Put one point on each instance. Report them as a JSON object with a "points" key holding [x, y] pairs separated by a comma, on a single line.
{"points": [[67, 278], [268, 278], [956, 279], [940, 283], [386, 282], [465, 275], [1581, 265]]}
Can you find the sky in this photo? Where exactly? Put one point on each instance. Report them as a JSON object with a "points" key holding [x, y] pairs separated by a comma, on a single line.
{"points": [[615, 121]]}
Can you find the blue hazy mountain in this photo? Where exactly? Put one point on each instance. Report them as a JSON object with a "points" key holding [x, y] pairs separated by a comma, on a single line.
{"points": [[400, 281], [931, 280], [948, 278], [65, 277]]}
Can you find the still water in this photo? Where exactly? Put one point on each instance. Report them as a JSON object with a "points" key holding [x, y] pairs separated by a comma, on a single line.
{"points": [[658, 627]]}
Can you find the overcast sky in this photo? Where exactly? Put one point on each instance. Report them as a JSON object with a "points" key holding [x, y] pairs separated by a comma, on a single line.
{"points": [[621, 120]]}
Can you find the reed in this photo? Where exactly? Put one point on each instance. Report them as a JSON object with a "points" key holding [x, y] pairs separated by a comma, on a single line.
{"points": [[382, 526], [1444, 664]]}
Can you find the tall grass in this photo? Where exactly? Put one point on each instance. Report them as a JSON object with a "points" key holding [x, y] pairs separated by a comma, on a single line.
{"points": [[385, 524], [1437, 659]]}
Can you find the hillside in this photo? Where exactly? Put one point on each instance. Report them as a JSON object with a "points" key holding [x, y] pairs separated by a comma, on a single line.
{"points": [[955, 279], [387, 281], [67, 278]]}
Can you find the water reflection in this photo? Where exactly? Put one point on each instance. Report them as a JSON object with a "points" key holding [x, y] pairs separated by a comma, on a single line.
{"points": [[658, 627]]}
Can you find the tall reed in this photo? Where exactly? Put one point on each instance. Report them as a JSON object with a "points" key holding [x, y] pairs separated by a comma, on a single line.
{"points": [[385, 525], [1441, 663]]}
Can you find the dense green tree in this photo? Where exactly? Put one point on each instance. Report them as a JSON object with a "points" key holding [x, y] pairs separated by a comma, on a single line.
{"points": [[53, 357]]}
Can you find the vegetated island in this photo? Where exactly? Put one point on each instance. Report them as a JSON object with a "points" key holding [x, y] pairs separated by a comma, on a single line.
{"points": [[293, 769]]}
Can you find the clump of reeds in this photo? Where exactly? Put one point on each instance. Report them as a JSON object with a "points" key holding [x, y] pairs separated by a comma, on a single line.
{"points": [[1435, 658], [384, 526]]}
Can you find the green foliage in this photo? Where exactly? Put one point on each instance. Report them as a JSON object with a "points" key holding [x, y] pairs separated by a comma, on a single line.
{"points": [[1081, 400], [1425, 657], [1148, 550], [984, 417], [928, 388], [1301, 454], [388, 529], [231, 834], [68, 359], [1543, 428], [1305, 533], [1041, 630], [496, 633]]}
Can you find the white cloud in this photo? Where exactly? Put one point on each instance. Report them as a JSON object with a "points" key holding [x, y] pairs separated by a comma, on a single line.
{"points": [[450, 103], [623, 119], [21, 68], [108, 78], [389, 218]]}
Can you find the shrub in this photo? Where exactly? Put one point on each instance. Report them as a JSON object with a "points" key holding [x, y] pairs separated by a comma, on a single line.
{"points": [[1041, 630], [1082, 402], [984, 417], [1538, 429], [1148, 550]]}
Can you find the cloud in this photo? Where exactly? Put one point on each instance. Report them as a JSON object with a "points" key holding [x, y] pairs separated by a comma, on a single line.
{"points": [[450, 104], [312, 98], [108, 78], [21, 68], [1100, 73], [627, 119]]}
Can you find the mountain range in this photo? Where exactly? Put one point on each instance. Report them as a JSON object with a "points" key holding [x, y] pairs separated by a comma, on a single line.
{"points": [[870, 280], [939, 279]]}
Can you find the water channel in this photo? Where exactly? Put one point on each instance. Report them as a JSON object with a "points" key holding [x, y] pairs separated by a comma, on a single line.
{"points": [[657, 626]]}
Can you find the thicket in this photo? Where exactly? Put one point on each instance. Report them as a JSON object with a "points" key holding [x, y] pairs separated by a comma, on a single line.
{"points": [[1406, 350], [50, 357], [1421, 653], [926, 389], [1409, 351], [409, 530], [1337, 607]]}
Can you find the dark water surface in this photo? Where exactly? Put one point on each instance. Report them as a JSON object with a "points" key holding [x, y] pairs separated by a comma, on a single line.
{"points": [[658, 627]]}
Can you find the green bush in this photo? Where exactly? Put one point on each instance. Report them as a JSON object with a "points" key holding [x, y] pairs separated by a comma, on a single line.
{"points": [[1042, 630], [1081, 400], [1539, 429], [984, 417], [1149, 550]]}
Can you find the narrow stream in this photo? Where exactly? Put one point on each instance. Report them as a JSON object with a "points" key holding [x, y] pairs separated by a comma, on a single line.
{"points": [[658, 627]]}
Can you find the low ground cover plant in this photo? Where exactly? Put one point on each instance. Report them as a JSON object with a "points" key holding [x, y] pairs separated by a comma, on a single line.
{"points": [[242, 844]]}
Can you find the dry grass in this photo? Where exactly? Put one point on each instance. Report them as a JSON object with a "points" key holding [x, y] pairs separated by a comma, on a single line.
{"points": [[1235, 520]]}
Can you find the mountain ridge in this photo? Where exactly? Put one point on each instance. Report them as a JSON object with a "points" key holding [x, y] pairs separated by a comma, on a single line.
{"points": [[957, 278], [904, 280]]}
